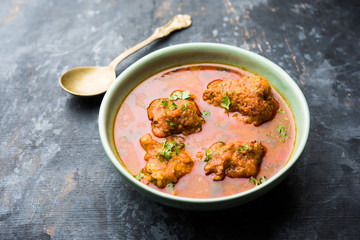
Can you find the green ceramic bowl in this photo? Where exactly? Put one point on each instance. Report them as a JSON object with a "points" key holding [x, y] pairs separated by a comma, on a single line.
{"points": [[202, 53]]}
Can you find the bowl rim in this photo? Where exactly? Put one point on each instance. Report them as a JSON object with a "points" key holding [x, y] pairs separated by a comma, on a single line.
{"points": [[104, 108]]}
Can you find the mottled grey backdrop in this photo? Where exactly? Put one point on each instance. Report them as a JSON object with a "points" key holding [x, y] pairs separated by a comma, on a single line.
{"points": [[55, 179]]}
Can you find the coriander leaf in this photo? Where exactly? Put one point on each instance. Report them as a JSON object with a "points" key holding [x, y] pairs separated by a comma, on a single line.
{"points": [[164, 102], [174, 106], [254, 181], [263, 179], [179, 95], [167, 149], [225, 101], [282, 131], [140, 175], [171, 186], [185, 95], [206, 113], [244, 148], [268, 168], [281, 111], [185, 106], [208, 156], [176, 149], [175, 95]]}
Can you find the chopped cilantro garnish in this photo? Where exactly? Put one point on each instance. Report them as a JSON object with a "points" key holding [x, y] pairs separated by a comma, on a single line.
{"points": [[263, 179], [179, 95], [268, 168], [176, 149], [281, 130], [185, 95], [244, 148], [167, 148], [175, 95], [206, 113], [256, 182], [281, 133], [185, 106], [268, 134], [281, 111], [171, 186], [208, 156], [140, 175], [164, 102], [225, 101], [173, 106]]}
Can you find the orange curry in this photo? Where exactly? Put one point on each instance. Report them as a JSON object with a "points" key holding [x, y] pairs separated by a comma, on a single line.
{"points": [[219, 148]]}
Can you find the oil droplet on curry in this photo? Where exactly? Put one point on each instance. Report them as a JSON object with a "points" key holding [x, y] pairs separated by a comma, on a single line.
{"points": [[132, 123]]}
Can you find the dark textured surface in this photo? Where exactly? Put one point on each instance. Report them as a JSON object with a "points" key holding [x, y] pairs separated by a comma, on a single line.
{"points": [[55, 179]]}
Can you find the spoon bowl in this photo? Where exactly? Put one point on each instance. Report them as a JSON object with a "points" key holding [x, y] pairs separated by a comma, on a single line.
{"points": [[90, 81]]}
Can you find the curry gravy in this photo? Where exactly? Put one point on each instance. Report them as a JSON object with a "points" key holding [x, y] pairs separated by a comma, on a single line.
{"points": [[132, 123]]}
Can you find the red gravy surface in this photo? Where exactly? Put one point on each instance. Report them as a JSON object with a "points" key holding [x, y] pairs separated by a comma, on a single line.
{"points": [[132, 123]]}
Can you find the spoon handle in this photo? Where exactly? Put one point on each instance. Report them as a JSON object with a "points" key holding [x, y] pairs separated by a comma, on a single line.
{"points": [[176, 23]]}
